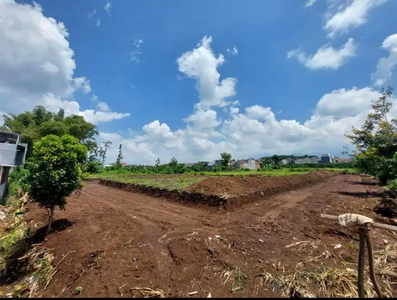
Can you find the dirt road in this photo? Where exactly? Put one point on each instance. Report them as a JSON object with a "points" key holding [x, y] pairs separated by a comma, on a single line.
{"points": [[121, 241]]}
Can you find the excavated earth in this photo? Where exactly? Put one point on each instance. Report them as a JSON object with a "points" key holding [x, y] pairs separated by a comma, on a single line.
{"points": [[228, 191], [112, 243]]}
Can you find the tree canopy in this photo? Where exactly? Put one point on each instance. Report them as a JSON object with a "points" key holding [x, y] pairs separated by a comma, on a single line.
{"points": [[225, 160], [376, 141], [39, 123], [54, 171]]}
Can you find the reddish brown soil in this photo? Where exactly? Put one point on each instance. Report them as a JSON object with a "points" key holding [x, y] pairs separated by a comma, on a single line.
{"points": [[118, 240], [228, 192], [237, 185]]}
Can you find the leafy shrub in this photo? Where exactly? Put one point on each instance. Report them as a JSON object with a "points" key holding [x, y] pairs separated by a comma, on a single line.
{"points": [[54, 171]]}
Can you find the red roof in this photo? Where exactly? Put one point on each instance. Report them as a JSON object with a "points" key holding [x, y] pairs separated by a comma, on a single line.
{"points": [[345, 160]]}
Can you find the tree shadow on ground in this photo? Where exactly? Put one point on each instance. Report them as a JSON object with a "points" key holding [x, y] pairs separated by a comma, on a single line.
{"points": [[16, 263]]}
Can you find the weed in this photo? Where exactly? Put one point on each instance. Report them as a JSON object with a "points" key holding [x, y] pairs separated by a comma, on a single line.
{"points": [[9, 240], [79, 289], [236, 286], [19, 290], [329, 282]]}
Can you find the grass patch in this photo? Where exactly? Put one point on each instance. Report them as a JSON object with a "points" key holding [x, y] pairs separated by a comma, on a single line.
{"points": [[268, 172], [182, 181], [170, 182]]}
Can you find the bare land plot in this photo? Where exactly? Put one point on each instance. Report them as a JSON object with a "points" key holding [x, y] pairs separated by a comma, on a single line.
{"points": [[120, 242]]}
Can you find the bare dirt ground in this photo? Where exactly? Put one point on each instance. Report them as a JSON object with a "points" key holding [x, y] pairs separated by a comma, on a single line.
{"points": [[117, 242]]}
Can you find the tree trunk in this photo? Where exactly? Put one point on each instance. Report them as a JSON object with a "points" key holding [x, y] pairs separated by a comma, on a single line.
{"points": [[51, 218]]}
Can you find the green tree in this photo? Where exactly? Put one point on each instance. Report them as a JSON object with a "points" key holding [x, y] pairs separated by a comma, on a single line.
{"points": [[173, 163], [376, 141], [54, 171], [225, 160], [41, 115], [60, 115], [119, 157], [276, 161], [34, 125], [103, 150], [157, 162]]}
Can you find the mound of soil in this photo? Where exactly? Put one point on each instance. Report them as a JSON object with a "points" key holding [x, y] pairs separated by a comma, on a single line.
{"points": [[228, 192], [238, 186], [387, 208]]}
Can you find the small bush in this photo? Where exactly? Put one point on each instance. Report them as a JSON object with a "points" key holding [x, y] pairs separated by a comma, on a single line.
{"points": [[393, 184]]}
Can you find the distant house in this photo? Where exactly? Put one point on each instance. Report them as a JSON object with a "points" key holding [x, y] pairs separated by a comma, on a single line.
{"points": [[250, 163], [345, 160], [335, 159], [287, 161], [326, 159], [12, 154], [307, 160]]}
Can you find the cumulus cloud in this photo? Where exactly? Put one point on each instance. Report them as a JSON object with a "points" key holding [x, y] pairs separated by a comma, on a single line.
{"points": [[53, 103], [201, 64], [326, 56], [386, 64], [343, 103], [203, 119], [310, 3], [350, 16], [251, 132], [37, 65], [257, 132]]}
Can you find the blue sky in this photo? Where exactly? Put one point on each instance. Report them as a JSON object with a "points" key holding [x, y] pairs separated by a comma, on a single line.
{"points": [[280, 86]]}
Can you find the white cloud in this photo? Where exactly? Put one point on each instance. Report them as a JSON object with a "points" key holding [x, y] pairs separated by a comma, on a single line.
{"points": [[233, 51], [103, 106], [350, 16], [386, 64], [201, 64], [94, 98], [255, 132], [343, 103], [309, 3], [259, 112], [134, 54], [234, 110], [326, 56], [37, 65], [108, 7], [50, 68], [203, 119], [52, 103], [96, 117]]}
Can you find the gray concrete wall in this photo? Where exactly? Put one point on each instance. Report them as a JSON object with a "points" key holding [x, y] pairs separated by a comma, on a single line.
{"points": [[8, 153]]}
